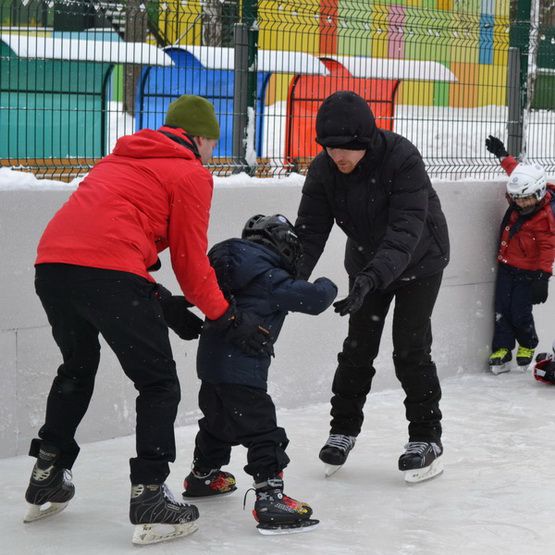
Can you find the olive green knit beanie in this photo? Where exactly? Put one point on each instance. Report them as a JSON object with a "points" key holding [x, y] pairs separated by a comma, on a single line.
{"points": [[195, 115]]}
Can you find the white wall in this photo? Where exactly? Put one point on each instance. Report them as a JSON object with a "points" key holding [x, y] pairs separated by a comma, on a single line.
{"points": [[306, 351]]}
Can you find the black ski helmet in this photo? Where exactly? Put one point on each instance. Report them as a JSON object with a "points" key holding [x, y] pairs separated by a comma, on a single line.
{"points": [[277, 233]]}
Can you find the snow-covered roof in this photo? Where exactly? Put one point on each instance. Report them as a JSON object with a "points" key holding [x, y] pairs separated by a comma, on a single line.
{"points": [[49, 48], [383, 68], [275, 61]]}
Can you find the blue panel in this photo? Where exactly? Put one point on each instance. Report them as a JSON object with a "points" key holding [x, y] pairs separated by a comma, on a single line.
{"points": [[486, 39]]}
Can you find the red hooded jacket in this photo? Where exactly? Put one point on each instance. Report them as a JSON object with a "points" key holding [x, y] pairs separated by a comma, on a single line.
{"points": [[532, 246], [150, 193]]}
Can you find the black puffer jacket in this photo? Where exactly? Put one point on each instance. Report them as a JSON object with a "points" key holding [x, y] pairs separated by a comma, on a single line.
{"points": [[253, 274], [387, 207]]}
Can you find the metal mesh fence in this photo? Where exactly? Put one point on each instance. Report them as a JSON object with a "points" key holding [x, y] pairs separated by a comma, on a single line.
{"points": [[76, 75]]}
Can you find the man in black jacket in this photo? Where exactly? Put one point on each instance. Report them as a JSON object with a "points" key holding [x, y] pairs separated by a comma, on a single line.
{"points": [[374, 185]]}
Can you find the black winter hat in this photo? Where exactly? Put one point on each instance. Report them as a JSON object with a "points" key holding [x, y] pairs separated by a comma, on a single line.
{"points": [[344, 120]]}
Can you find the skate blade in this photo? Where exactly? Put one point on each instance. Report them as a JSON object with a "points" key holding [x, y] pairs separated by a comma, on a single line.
{"points": [[331, 469], [145, 534], [500, 369], [36, 512], [426, 473], [276, 530], [526, 368]]}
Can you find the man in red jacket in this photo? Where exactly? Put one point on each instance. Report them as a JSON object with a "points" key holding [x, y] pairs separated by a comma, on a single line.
{"points": [[525, 259], [92, 277]]}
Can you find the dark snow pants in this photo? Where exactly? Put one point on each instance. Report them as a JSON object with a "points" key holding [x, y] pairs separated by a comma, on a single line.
{"points": [[412, 341], [81, 303], [513, 309], [239, 415]]}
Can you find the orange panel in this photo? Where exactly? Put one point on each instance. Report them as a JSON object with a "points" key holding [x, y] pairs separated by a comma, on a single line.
{"points": [[464, 93]]}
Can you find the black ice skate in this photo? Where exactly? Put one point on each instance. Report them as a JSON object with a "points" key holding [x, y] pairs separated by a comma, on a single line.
{"points": [[153, 508], [421, 461], [208, 484], [335, 452], [49, 485], [277, 513], [499, 361]]}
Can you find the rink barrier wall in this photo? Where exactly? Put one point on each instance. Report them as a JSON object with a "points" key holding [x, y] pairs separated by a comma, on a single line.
{"points": [[302, 371]]}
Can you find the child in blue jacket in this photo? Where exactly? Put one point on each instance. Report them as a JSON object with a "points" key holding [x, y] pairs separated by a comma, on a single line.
{"points": [[257, 272]]}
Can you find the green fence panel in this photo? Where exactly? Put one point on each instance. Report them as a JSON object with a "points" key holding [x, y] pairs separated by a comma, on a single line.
{"points": [[50, 125]]}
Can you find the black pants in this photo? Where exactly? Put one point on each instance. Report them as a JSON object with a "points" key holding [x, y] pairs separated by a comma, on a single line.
{"points": [[239, 415], [412, 341], [81, 303], [513, 309]]}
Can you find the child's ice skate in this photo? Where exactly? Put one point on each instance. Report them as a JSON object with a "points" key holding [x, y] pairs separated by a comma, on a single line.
{"points": [[335, 452], [277, 513], [208, 483], [499, 361], [524, 357], [50, 485], [421, 461], [158, 516]]}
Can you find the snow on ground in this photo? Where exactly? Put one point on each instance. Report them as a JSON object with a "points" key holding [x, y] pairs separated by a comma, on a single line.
{"points": [[495, 497]]}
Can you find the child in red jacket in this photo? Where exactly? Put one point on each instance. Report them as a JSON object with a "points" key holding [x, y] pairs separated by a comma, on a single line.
{"points": [[525, 259]]}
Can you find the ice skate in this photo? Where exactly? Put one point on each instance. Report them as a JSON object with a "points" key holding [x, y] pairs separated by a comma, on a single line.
{"points": [[158, 516], [421, 461], [524, 358], [50, 488], [277, 513], [335, 452], [212, 483], [499, 361]]}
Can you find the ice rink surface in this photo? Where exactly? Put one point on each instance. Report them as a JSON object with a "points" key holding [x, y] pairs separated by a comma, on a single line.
{"points": [[496, 496]]}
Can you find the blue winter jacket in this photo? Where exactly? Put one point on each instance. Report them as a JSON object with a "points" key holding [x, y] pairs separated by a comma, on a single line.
{"points": [[253, 274]]}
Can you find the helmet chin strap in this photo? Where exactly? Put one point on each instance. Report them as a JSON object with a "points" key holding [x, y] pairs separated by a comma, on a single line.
{"points": [[528, 210]]}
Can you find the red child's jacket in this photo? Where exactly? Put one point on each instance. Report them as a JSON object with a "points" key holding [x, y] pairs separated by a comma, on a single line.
{"points": [[149, 194], [528, 242]]}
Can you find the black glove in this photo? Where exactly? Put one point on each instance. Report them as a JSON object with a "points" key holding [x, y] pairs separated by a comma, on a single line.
{"points": [[243, 330], [181, 320], [362, 286], [538, 290], [496, 147], [161, 293], [156, 266]]}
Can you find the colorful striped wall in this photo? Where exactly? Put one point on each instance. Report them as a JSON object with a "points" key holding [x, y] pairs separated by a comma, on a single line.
{"points": [[469, 37]]}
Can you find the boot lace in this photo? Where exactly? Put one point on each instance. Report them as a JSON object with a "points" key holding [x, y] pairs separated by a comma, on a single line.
{"points": [[245, 496], [340, 441], [168, 496], [500, 353], [420, 447], [524, 352]]}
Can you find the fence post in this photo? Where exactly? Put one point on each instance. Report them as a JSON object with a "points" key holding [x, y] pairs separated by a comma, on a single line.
{"points": [[514, 102], [240, 94]]}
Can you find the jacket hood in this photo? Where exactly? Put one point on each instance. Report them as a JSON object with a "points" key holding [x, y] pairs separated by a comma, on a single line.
{"points": [[149, 143], [344, 120], [238, 261]]}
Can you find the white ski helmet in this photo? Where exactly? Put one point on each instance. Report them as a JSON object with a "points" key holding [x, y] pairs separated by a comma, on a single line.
{"points": [[527, 180]]}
